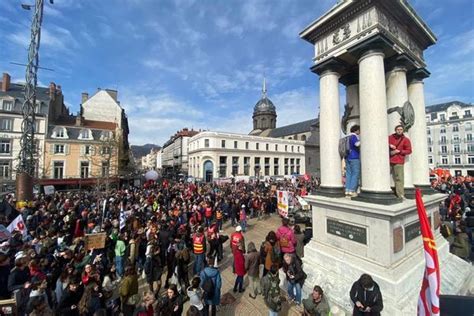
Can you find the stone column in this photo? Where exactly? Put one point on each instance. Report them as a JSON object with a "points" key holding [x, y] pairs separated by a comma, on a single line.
{"points": [[375, 173], [397, 95], [330, 127], [419, 156]]}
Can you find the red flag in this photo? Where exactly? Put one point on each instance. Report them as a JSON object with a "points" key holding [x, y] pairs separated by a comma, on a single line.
{"points": [[428, 302]]}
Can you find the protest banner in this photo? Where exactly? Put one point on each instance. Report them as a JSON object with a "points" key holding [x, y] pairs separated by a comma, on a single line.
{"points": [[95, 241]]}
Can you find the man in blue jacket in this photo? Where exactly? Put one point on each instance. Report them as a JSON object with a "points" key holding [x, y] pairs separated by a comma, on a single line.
{"points": [[212, 274], [353, 162]]}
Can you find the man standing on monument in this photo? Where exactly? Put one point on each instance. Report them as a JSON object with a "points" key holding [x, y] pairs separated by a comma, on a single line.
{"points": [[400, 147], [353, 162]]}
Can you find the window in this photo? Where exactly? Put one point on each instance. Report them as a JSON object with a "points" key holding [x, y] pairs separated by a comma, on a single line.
{"points": [[106, 135], [444, 160], [457, 149], [267, 146], [246, 145], [469, 137], [428, 131], [106, 150], [206, 143], [236, 144], [456, 139], [276, 147], [292, 149], [84, 169], [84, 134], [7, 105], [430, 141], [59, 132], [467, 113], [303, 137], [5, 146], [457, 160], [235, 166], [223, 143], [58, 169], [59, 149], [286, 147], [286, 166], [222, 166], [444, 149], [434, 116], [442, 117], [5, 170], [468, 127], [6, 124], [298, 166], [455, 128], [430, 149], [246, 165], [257, 145], [257, 166], [36, 127], [298, 147], [470, 160], [470, 148], [87, 150], [443, 140], [430, 159], [105, 168], [275, 166], [267, 166]]}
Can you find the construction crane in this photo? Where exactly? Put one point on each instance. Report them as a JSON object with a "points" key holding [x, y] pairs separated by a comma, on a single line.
{"points": [[26, 165]]}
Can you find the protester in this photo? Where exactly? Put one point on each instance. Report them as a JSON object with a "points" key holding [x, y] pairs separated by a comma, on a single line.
{"points": [[252, 266], [171, 303], [400, 147], [195, 294], [199, 248], [237, 240], [295, 277], [316, 304], [270, 284], [211, 283], [239, 269], [270, 252], [353, 162], [129, 291], [366, 296], [286, 237]]}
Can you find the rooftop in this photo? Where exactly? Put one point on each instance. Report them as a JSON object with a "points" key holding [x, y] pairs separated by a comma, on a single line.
{"points": [[292, 129], [444, 106]]}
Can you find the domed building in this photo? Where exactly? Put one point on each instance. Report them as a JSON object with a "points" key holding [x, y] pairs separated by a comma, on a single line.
{"points": [[264, 125], [264, 114]]}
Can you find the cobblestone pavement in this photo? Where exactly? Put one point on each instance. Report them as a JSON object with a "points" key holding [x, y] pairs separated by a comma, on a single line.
{"points": [[244, 305]]}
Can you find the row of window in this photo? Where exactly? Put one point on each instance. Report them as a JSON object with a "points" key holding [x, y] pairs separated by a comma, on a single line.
{"points": [[457, 160], [7, 105], [6, 125], [455, 128], [59, 166], [442, 116], [456, 139], [257, 146], [85, 150], [456, 148], [6, 146], [61, 132]]}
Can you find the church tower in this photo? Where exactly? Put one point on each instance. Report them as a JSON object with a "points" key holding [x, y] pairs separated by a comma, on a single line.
{"points": [[264, 113]]}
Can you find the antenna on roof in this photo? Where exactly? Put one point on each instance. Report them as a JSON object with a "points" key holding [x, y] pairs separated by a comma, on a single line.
{"points": [[264, 88], [18, 64]]}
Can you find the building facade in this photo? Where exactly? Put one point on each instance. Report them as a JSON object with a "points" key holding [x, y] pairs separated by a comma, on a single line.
{"points": [[175, 152], [221, 155], [81, 153], [48, 100], [450, 137], [104, 106], [149, 160]]}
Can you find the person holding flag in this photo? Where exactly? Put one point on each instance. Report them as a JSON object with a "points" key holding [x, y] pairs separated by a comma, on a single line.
{"points": [[428, 301]]}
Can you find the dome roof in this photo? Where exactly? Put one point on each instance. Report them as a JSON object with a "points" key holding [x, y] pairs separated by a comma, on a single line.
{"points": [[264, 105]]}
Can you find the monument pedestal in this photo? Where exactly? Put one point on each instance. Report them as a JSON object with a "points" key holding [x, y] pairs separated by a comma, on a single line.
{"points": [[353, 237]]}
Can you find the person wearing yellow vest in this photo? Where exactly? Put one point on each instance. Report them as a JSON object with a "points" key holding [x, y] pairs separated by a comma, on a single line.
{"points": [[199, 250]]}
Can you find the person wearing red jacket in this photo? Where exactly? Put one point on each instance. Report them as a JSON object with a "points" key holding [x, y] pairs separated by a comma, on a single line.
{"points": [[400, 147], [237, 240]]}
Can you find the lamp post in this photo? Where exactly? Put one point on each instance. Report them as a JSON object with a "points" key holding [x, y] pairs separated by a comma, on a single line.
{"points": [[26, 166]]}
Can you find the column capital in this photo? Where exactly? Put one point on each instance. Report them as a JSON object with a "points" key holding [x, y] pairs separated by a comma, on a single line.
{"points": [[400, 62], [417, 75], [333, 64], [370, 53]]}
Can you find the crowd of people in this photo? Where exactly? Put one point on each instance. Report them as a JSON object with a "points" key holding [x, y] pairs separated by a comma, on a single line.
{"points": [[457, 213], [153, 235]]}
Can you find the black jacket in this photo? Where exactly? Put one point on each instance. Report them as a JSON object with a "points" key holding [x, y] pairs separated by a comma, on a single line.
{"points": [[369, 298], [18, 278], [68, 299]]}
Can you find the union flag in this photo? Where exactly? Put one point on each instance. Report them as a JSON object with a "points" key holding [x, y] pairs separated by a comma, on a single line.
{"points": [[428, 301]]}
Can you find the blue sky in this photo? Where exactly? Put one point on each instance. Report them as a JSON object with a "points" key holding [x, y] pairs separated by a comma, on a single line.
{"points": [[200, 63]]}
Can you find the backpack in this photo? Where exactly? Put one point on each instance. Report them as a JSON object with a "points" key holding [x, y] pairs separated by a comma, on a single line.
{"points": [[344, 146], [272, 297], [208, 287], [445, 230]]}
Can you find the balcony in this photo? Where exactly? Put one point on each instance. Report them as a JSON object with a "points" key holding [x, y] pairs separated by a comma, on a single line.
{"points": [[443, 142], [468, 141], [454, 117], [455, 141]]}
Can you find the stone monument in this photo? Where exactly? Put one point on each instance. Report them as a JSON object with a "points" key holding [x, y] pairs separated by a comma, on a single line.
{"points": [[375, 49]]}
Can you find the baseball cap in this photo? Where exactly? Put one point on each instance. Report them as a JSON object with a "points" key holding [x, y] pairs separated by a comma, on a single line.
{"points": [[238, 228]]}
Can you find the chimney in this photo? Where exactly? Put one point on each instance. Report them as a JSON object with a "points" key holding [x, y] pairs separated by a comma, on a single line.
{"points": [[6, 82], [84, 97], [52, 90], [59, 90], [112, 93], [79, 119]]}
